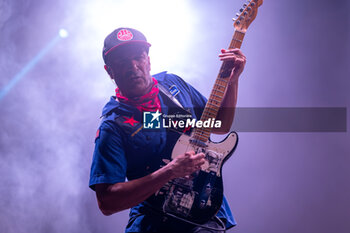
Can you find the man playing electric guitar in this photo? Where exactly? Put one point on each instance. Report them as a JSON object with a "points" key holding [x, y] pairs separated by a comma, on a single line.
{"points": [[124, 149]]}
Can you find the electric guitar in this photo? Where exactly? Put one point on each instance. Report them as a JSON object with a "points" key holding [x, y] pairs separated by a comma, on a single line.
{"points": [[199, 198]]}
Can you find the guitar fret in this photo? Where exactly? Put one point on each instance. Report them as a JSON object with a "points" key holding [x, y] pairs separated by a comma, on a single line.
{"points": [[203, 134], [240, 41], [216, 95], [200, 133], [218, 100], [205, 131], [237, 39], [202, 137], [211, 100], [207, 115], [213, 104], [217, 84], [211, 110], [219, 91], [208, 112], [223, 80]]}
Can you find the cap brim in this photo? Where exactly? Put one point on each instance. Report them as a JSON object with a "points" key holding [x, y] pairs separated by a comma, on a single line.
{"points": [[141, 42]]}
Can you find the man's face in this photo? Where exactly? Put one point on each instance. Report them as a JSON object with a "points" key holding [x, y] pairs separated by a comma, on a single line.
{"points": [[130, 68]]}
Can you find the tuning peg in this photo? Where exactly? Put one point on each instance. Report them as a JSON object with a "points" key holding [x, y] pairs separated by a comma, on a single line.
{"points": [[252, 4], [237, 15], [249, 8], [244, 5], [245, 13], [238, 22], [234, 19], [241, 10]]}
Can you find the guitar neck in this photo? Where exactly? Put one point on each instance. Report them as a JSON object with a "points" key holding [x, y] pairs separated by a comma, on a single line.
{"points": [[217, 94]]}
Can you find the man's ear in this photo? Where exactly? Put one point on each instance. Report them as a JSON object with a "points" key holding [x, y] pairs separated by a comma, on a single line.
{"points": [[149, 63], [108, 69]]}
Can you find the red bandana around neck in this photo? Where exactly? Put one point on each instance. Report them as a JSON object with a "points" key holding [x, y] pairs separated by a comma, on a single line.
{"points": [[147, 103]]}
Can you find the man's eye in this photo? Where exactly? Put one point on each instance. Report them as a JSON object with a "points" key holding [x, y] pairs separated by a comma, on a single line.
{"points": [[119, 63]]}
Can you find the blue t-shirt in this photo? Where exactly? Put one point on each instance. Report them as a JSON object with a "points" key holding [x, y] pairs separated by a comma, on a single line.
{"points": [[124, 150]]}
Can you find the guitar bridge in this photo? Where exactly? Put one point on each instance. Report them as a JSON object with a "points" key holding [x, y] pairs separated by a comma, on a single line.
{"points": [[180, 198]]}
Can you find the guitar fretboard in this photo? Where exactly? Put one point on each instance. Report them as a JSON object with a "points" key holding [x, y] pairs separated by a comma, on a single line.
{"points": [[217, 94]]}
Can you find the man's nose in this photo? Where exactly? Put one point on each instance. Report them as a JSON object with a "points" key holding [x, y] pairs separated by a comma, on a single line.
{"points": [[132, 64]]}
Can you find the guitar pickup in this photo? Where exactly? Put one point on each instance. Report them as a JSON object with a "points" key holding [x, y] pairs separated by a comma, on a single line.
{"points": [[198, 142]]}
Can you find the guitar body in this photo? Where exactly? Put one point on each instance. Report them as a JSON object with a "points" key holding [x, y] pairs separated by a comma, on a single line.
{"points": [[199, 198]]}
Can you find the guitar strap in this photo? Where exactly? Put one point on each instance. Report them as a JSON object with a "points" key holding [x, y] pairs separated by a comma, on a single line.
{"points": [[170, 96], [177, 109]]}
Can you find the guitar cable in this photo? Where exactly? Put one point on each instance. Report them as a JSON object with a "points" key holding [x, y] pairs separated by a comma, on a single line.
{"points": [[218, 220]]}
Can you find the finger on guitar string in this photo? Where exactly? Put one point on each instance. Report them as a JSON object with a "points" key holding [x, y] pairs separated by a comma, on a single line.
{"points": [[232, 53], [185, 164], [232, 56], [235, 61], [235, 51]]}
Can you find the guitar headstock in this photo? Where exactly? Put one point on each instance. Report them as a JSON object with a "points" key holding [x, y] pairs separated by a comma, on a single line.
{"points": [[247, 15]]}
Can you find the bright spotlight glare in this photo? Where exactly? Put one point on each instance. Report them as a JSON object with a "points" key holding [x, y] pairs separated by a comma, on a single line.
{"points": [[63, 33], [168, 25]]}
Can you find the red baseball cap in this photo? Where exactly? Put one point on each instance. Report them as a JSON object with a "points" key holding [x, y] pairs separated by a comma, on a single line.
{"points": [[122, 36]]}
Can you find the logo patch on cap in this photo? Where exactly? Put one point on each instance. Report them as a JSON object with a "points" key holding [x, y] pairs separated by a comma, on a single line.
{"points": [[124, 35]]}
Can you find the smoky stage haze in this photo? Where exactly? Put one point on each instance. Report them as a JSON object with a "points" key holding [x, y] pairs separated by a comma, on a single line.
{"points": [[297, 56]]}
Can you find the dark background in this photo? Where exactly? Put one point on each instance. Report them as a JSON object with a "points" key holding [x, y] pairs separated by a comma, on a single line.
{"points": [[298, 56]]}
